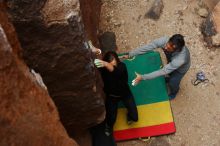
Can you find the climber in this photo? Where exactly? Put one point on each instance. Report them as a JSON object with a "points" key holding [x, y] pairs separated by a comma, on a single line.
{"points": [[116, 88]]}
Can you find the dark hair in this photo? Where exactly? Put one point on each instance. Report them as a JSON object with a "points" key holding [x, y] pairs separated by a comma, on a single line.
{"points": [[178, 41], [110, 55], [107, 42]]}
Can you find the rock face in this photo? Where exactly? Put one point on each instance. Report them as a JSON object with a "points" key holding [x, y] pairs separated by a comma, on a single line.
{"points": [[28, 116], [211, 27], [210, 3], [53, 37], [90, 10], [203, 12], [155, 10]]}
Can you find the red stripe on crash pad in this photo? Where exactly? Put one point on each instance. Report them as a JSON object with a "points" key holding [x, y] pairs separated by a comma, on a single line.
{"points": [[145, 131]]}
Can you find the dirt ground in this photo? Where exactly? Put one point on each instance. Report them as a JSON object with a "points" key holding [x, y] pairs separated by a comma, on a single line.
{"points": [[196, 109]]}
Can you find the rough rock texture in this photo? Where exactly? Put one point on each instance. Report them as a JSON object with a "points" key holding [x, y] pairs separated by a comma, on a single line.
{"points": [[155, 10], [216, 39], [210, 3], [216, 18], [211, 27], [203, 12], [28, 116], [52, 35], [90, 10]]}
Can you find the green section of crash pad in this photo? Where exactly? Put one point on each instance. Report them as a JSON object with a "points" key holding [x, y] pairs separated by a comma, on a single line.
{"points": [[148, 91]]}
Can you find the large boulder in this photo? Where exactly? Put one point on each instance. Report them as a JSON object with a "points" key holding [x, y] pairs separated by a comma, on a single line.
{"points": [[53, 38], [28, 116], [211, 27]]}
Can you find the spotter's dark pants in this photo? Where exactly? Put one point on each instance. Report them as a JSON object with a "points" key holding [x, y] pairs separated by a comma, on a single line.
{"points": [[173, 81]]}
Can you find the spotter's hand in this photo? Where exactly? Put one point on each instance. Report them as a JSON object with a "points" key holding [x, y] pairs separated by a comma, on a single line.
{"points": [[137, 79], [123, 57]]}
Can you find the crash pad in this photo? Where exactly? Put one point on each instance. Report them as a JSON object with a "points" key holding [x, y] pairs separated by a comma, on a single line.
{"points": [[154, 110]]}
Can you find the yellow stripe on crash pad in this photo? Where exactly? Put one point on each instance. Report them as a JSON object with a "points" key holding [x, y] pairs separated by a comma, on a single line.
{"points": [[148, 115]]}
